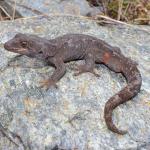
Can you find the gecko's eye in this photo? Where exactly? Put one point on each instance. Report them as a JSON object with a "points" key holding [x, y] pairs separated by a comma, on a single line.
{"points": [[40, 52], [24, 44]]}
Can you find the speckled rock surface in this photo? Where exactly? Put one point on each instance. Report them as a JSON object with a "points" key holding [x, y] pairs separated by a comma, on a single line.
{"points": [[74, 7], [71, 117]]}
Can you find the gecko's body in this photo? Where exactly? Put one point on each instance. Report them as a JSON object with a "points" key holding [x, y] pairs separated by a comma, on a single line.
{"points": [[71, 47]]}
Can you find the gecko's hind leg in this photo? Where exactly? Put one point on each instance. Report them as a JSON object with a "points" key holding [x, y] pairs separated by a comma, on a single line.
{"points": [[83, 69], [88, 66]]}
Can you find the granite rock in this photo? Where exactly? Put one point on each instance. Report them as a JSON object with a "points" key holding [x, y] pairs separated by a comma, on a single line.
{"points": [[71, 117], [48, 7]]}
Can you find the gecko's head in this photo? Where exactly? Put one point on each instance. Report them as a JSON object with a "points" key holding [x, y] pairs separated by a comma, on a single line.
{"points": [[29, 45]]}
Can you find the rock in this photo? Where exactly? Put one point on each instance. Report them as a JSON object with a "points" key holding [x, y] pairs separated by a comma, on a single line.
{"points": [[71, 116], [68, 7], [75, 7]]}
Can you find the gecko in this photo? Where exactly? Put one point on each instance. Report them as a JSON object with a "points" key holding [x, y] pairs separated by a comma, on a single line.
{"points": [[72, 47]]}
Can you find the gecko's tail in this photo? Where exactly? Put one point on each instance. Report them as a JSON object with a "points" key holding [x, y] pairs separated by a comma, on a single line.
{"points": [[134, 84]]}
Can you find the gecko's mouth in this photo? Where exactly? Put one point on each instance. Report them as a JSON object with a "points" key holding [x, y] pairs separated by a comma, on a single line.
{"points": [[9, 47], [20, 49], [16, 50]]}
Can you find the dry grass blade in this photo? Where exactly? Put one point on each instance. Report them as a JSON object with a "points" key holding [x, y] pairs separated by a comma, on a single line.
{"points": [[119, 22], [1, 18], [8, 12], [110, 19], [144, 19], [5, 12], [14, 10], [120, 3], [104, 7]]}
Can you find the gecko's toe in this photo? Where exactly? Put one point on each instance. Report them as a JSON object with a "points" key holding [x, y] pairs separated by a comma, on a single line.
{"points": [[94, 73], [83, 69]]}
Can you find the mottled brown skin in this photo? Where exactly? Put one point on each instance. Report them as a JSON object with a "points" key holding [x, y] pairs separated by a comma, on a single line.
{"points": [[71, 47]]}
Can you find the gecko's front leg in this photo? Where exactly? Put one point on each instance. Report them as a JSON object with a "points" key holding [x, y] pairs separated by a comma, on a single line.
{"points": [[57, 74]]}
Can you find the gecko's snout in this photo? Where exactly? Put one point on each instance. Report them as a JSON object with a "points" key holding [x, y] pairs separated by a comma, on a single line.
{"points": [[6, 46]]}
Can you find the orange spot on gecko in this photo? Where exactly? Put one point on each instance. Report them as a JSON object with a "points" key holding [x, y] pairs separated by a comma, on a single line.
{"points": [[106, 57]]}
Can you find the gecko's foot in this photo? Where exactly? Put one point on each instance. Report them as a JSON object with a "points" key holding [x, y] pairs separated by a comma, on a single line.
{"points": [[84, 69], [46, 84]]}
